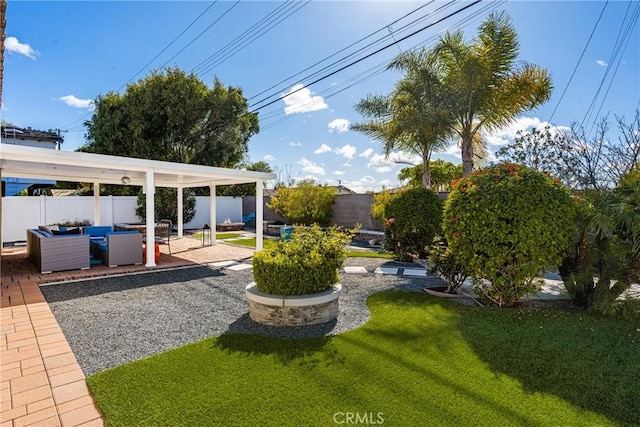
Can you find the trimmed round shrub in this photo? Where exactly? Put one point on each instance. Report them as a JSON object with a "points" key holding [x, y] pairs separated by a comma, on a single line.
{"points": [[306, 264], [414, 218], [508, 223]]}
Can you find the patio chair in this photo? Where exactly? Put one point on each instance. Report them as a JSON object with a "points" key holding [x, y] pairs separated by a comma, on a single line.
{"points": [[163, 232]]}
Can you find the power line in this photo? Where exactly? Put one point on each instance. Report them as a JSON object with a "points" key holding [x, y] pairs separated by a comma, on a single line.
{"points": [[155, 57], [297, 6], [360, 51], [616, 57], [578, 63], [340, 51], [326, 76]]}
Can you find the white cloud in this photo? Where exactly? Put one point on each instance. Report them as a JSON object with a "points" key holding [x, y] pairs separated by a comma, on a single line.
{"points": [[601, 63], [11, 44], [366, 153], [347, 164], [269, 158], [339, 125], [311, 167], [302, 101], [379, 160], [324, 148], [73, 101], [339, 173], [508, 134], [295, 144], [384, 169], [347, 151], [367, 179]]}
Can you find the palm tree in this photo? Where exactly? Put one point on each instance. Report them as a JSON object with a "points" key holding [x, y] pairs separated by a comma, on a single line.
{"points": [[487, 88], [414, 118]]}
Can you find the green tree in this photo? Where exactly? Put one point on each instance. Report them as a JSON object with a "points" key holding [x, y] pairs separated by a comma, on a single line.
{"points": [[507, 223], [442, 175], [414, 118], [414, 218], [307, 204], [173, 116], [239, 190], [606, 247], [166, 205], [487, 87]]}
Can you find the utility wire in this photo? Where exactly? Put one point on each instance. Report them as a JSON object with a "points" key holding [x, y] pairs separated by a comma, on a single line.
{"points": [[326, 76], [373, 71], [361, 50], [578, 63], [155, 57], [297, 6], [616, 57], [340, 51]]}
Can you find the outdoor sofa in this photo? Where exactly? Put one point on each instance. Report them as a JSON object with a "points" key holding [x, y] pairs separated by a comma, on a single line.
{"points": [[115, 248], [51, 252]]}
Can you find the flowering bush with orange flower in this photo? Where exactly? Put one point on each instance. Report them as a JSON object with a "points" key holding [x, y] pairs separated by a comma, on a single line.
{"points": [[507, 223]]}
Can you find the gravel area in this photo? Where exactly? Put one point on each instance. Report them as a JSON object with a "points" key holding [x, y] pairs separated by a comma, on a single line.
{"points": [[115, 320]]}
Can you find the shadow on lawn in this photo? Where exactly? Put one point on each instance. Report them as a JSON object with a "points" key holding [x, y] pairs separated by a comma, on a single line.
{"points": [[309, 352], [587, 360], [92, 287]]}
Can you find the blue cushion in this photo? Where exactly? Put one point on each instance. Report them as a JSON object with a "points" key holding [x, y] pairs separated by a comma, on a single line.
{"points": [[103, 246], [98, 230]]}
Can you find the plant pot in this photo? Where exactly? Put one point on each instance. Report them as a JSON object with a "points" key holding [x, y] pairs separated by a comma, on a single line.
{"points": [[439, 291], [298, 310]]}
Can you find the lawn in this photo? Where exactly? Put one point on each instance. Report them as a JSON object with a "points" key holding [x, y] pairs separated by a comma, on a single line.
{"points": [[418, 361], [219, 236], [269, 243]]}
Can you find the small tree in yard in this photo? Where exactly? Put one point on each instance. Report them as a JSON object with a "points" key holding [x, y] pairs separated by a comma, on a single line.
{"points": [[166, 205], [413, 220], [306, 204], [507, 223]]}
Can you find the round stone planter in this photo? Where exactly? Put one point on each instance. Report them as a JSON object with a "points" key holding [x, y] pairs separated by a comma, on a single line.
{"points": [[299, 310]]}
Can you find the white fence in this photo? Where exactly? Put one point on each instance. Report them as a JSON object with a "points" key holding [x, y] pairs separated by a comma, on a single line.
{"points": [[21, 213]]}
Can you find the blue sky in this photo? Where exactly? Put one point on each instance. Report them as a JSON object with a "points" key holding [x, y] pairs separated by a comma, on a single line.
{"points": [[61, 55]]}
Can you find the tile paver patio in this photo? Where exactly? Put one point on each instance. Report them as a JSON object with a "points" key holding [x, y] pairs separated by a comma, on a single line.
{"points": [[41, 382]]}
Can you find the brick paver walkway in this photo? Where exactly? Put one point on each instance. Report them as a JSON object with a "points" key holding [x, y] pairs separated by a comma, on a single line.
{"points": [[41, 382]]}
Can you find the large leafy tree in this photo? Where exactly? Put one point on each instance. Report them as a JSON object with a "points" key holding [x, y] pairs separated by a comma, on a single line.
{"points": [[414, 118], [487, 87], [173, 116]]}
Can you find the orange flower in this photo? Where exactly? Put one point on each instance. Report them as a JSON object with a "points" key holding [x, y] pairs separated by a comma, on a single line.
{"points": [[456, 234], [454, 219]]}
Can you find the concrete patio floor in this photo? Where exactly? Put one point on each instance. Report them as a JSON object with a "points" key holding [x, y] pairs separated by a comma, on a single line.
{"points": [[41, 382]]}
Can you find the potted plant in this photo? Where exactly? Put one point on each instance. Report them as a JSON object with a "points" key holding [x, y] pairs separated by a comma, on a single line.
{"points": [[296, 282]]}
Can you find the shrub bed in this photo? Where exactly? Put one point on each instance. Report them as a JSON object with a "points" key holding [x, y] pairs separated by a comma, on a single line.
{"points": [[307, 264]]}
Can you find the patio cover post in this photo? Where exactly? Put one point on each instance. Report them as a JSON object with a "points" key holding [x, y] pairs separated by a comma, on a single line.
{"points": [[180, 212], [212, 212], [150, 187], [96, 203], [259, 215]]}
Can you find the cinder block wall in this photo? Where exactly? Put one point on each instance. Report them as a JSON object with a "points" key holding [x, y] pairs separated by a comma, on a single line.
{"points": [[348, 210]]}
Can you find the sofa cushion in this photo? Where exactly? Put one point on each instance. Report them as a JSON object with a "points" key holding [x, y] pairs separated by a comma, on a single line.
{"points": [[65, 232], [48, 228], [98, 230]]}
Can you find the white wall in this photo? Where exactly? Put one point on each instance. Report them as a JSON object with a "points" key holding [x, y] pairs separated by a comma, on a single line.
{"points": [[21, 213]]}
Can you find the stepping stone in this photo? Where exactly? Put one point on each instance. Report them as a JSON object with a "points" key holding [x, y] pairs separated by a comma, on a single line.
{"points": [[239, 267], [355, 270], [386, 270], [414, 272], [221, 264]]}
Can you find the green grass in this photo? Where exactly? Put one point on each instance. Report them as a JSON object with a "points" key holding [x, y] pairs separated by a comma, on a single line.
{"points": [[269, 243], [219, 236], [418, 361]]}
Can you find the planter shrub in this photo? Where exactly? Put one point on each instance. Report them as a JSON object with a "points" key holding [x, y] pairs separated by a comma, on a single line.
{"points": [[308, 203], [413, 220], [306, 264], [507, 223], [443, 261]]}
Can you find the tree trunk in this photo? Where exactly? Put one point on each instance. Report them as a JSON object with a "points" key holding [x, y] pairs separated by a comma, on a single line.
{"points": [[426, 174], [467, 153]]}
